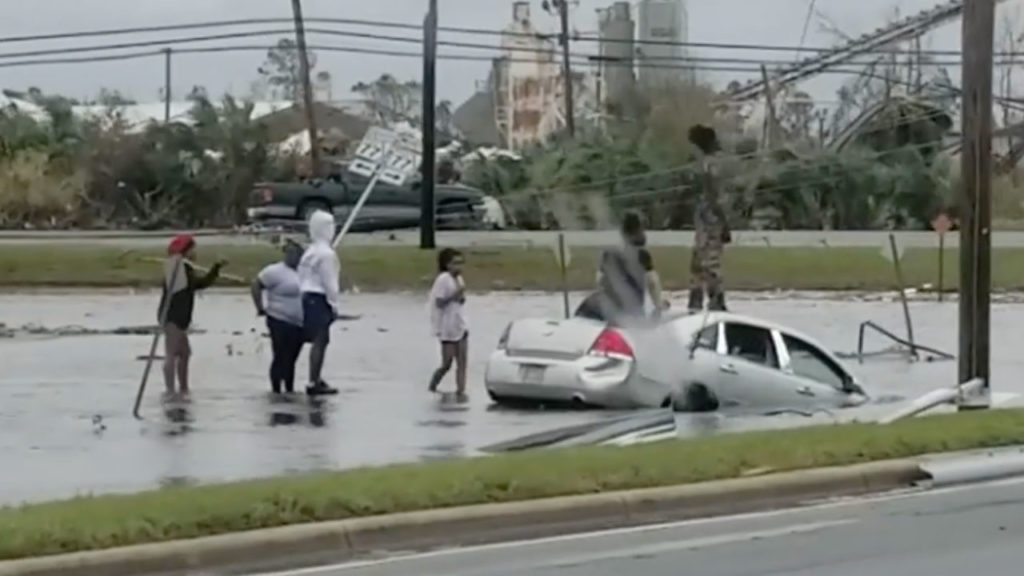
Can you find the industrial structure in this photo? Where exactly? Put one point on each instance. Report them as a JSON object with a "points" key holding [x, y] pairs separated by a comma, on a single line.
{"points": [[616, 78], [662, 32], [527, 83]]}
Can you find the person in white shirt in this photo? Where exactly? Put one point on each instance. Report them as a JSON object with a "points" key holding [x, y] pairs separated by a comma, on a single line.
{"points": [[276, 295], [447, 298], [319, 272]]}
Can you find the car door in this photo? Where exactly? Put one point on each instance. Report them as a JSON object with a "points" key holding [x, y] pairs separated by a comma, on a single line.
{"points": [[750, 369], [815, 375], [706, 354]]}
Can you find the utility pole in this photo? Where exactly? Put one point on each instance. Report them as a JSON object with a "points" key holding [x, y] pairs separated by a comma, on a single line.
{"points": [[428, 146], [563, 39], [167, 85], [307, 88], [976, 197]]}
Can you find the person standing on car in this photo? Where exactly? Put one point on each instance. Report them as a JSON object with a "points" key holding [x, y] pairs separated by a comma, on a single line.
{"points": [[711, 229], [448, 322], [276, 295], [621, 277], [319, 272]]}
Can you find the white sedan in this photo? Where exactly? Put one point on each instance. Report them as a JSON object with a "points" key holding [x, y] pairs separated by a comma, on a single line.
{"points": [[693, 362]]}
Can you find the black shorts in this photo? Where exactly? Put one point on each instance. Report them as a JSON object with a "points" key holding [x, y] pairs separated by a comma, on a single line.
{"points": [[317, 317]]}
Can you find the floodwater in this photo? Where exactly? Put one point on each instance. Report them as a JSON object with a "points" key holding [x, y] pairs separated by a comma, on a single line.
{"points": [[65, 402]]}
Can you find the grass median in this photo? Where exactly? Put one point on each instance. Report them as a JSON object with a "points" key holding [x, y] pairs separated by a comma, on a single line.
{"points": [[188, 512], [513, 268]]}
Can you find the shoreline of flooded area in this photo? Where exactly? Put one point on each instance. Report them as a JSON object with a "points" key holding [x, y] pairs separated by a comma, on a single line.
{"points": [[66, 400], [913, 294]]}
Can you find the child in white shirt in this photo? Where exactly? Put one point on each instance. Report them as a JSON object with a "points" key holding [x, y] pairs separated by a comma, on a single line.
{"points": [[447, 297]]}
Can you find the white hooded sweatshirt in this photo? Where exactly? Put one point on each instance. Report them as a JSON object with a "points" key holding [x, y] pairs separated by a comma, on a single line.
{"points": [[319, 268]]}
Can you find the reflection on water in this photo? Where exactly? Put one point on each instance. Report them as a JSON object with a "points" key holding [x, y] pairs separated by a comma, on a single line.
{"points": [[66, 402]]}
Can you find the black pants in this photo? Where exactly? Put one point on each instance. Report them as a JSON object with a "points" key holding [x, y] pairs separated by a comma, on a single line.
{"points": [[286, 342]]}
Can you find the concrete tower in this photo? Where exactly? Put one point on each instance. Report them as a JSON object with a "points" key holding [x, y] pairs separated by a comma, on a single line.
{"points": [[617, 79], [664, 21]]}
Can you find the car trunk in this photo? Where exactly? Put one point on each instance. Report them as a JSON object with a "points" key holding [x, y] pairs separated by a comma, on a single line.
{"points": [[543, 338]]}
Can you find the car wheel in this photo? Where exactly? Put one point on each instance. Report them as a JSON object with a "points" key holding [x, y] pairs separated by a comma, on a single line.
{"points": [[697, 398], [307, 208]]}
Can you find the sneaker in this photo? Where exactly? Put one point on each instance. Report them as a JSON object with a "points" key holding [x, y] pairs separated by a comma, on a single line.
{"points": [[320, 389], [461, 398]]}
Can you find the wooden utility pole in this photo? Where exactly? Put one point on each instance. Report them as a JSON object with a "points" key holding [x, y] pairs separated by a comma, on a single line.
{"points": [[563, 39], [428, 208], [167, 85], [307, 89], [976, 198]]}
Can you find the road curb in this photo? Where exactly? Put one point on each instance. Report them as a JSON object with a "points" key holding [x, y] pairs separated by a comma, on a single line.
{"points": [[473, 525]]}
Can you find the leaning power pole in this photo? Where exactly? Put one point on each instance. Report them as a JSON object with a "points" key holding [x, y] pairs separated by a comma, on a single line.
{"points": [[167, 85], [307, 88], [428, 145], [976, 197], [563, 39]]}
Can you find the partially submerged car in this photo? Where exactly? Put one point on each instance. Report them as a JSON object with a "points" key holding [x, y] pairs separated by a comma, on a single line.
{"points": [[692, 362]]}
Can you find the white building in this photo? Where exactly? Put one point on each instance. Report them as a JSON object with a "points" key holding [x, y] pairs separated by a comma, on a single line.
{"points": [[662, 28], [529, 102]]}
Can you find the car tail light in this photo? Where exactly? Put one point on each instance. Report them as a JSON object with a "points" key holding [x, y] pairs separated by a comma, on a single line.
{"points": [[503, 340], [612, 344]]}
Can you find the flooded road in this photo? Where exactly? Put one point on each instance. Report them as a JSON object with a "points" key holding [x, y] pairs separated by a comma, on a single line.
{"points": [[65, 403]]}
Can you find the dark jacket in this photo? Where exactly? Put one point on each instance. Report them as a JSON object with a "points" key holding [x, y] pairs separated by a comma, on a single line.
{"points": [[183, 302]]}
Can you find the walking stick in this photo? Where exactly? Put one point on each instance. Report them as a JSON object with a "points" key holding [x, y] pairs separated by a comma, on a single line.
{"points": [[156, 337]]}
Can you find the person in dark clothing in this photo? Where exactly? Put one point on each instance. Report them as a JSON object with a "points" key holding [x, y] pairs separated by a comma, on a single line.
{"points": [[276, 295], [177, 303], [711, 226]]}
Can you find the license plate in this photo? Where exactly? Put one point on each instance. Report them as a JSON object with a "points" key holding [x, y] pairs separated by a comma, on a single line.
{"points": [[532, 374]]}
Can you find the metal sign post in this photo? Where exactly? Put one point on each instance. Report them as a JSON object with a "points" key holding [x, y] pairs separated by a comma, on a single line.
{"points": [[941, 224], [377, 175], [383, 155]]}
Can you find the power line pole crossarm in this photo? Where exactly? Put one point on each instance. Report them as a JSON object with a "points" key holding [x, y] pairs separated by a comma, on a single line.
{"points": [[976, 198], [307, 88]]}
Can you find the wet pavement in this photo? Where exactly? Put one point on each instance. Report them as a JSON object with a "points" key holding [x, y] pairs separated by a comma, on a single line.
{"points": [[65, 401]]}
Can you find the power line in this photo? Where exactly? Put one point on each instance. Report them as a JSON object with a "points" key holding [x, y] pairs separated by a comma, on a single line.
{"points": [[680, 65], [468, 45], [456, 30]]}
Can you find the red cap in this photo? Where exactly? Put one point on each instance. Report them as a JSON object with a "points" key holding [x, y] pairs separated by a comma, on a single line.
{"points": [[180, 244]]}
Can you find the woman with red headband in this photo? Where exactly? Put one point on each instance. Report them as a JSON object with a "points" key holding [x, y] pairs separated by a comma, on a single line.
{"points": [[177, 303]]}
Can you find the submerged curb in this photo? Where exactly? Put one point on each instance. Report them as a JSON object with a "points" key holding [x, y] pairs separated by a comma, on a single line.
{"points": [[479, 524]]}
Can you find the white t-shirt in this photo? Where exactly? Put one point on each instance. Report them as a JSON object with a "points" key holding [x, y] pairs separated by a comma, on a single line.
{"points": [[283, 297], [448, 322]]}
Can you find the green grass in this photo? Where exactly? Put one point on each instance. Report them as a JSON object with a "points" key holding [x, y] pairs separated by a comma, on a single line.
{"points": [[505, 268], [192, 511]]}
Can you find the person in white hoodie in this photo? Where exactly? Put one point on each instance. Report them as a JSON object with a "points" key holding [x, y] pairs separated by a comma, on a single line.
{"points": [[319, 283]]}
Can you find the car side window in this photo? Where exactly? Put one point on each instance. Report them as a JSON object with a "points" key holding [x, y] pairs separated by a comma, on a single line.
{"points": [[751, 343], [707, 338], [807, 361]]}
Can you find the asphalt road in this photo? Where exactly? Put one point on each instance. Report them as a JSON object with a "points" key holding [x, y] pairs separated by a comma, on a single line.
{"points": [[799, 238], [951, 532]]}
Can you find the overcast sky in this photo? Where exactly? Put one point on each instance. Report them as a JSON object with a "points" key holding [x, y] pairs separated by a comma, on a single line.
{"points": [[777, 22]]}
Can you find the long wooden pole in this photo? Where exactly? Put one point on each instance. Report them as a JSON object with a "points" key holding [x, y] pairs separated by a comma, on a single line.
{"points": [[976, 198], [164, 307], [307, 88]]}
